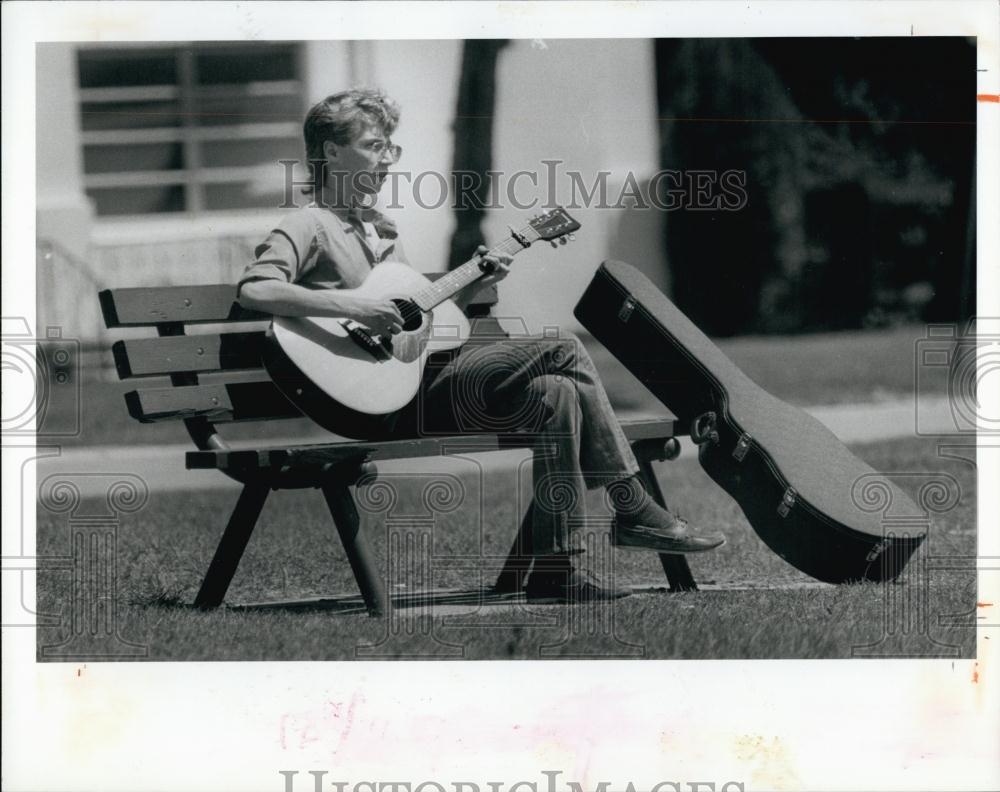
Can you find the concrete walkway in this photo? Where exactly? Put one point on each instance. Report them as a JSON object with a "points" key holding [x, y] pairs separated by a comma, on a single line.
{"points": [[162, 467]]}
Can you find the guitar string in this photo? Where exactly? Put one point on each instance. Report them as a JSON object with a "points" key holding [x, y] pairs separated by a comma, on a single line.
{"points": [[469, 272], [462, 276]]}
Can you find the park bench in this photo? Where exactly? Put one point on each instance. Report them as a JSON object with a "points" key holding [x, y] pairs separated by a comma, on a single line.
{"points": [[332, 467]]}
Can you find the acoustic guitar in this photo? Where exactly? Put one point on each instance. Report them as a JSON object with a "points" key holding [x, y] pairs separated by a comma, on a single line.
{"points": [[348, 379]]}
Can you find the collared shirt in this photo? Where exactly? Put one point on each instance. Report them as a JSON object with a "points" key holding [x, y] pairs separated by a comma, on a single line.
{"points": [[322, 248]]}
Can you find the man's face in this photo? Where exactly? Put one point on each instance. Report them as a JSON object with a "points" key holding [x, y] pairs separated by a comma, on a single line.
{"points": [[365, 162]]}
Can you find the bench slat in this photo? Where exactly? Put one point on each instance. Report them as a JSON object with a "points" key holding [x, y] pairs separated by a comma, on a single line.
{"points": [[148, 306], [316, 455], [144, 307], [145, 357], [235, 401]]}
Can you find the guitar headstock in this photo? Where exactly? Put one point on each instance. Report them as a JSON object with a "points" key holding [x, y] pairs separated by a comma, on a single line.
{"points": [[553, 224]]}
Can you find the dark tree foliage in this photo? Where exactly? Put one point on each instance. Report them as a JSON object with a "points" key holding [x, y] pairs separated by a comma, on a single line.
{"points": [[859, 158]]}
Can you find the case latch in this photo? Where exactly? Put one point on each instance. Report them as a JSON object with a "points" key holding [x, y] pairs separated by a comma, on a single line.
{"points": [[742, 446], [787, 501], [626, 310]]}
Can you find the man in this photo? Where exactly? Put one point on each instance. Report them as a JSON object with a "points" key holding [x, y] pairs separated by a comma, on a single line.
{"points": [[312, 261]]}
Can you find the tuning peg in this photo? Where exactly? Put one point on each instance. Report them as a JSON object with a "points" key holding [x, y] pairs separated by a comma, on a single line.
{"points": [[572, 237], [562, 240], [553, 243]]}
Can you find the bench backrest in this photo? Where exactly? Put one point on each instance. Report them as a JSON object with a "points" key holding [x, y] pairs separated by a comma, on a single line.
{"points": [[240, 389]]}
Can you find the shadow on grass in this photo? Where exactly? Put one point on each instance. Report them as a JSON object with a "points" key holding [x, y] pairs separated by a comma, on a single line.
{"points": [[402, 602]]}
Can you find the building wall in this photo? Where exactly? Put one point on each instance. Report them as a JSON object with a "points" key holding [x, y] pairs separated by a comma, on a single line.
{"points": [[590, 104], [64, 217], [423, 77]]}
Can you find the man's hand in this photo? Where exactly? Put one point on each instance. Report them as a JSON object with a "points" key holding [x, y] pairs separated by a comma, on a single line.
{"points": [[497, 265], [382, 317]]}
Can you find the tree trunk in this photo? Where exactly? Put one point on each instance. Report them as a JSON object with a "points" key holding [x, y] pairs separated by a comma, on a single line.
{"points": [[473, 129]]}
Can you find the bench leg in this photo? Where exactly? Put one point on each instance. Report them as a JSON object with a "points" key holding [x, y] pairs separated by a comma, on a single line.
{"points": [[518, 563], [516, 567], [231, 546], [345, 517], [675, 567]]}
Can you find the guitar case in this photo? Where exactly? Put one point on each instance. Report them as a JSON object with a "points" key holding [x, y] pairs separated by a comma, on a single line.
{"points": [[812, 501]]}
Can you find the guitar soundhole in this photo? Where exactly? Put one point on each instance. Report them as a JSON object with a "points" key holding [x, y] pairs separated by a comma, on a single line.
{"points": [[413, 317]]}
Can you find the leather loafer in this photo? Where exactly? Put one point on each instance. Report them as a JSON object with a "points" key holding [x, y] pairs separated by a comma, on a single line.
{"points": [[569, 586], [678, 538]]}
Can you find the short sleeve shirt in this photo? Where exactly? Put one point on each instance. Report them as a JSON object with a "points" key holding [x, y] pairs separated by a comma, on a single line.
{"points": [[322, 248]]}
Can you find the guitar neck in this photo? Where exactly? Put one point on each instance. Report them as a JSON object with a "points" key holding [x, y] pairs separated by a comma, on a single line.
{"points": [[447, 286]]}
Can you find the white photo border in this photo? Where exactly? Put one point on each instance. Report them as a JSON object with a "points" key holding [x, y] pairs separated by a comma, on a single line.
{"points": [[833, 725]]}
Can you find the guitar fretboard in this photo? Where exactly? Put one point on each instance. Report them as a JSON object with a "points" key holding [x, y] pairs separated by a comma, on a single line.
{"points": [[448, 285]]}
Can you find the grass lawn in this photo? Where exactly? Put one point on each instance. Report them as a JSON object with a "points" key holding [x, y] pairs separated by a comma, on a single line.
{"points": [[163, 549]]}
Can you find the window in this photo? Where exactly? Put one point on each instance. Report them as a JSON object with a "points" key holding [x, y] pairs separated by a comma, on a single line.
{"points": [[188, 129]]}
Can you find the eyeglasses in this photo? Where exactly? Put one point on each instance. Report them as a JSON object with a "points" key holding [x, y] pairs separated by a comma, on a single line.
{"points": [[381, 148]]}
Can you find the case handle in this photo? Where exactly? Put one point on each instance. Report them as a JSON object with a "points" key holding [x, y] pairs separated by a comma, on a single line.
{"points": [[703, 429]]}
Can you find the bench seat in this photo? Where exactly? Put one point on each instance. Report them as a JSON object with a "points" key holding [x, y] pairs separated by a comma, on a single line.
{"points": [[230, 357], [268, 459]]}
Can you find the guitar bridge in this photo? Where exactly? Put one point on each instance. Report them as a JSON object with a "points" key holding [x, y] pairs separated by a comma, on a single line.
{"points": [[380, 349]]}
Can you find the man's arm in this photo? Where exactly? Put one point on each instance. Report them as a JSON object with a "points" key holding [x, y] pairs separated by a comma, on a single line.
{"points": [[289, 299], [269, 283]]}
